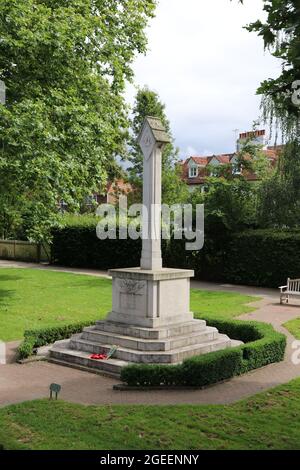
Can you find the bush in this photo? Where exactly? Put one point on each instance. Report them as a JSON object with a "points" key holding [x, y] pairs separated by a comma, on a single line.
{"points": [[151, 375], [26, 347], [263, 345], [78, 246], [263, 257], [253, 257], [36, 338], [211, 368]]}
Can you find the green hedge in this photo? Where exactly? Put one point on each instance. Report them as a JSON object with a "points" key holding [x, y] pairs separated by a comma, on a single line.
{"points": [[78, 246], [263, 257], [263, 345], [36, 338], [196, 371], [255, 257]]}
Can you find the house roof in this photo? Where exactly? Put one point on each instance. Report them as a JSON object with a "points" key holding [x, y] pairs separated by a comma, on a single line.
{"points": [[203, 161]]}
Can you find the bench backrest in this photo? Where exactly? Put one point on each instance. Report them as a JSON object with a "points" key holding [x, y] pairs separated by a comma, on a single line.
{"points": [[293, 285]]}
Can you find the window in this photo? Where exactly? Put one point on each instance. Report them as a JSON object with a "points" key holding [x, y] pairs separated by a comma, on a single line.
{"points": [[214, 172], [193, 173], [236, 169]]}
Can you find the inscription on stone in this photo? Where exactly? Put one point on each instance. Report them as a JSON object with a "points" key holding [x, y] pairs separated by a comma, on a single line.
{"points": [[129, 290]]}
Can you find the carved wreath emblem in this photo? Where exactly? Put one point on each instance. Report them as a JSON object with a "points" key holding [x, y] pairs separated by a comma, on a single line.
{"points": [[130, 286]]}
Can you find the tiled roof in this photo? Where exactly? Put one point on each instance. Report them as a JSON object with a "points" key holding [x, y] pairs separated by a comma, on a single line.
{"points": [[203, 161], [199, 160]]}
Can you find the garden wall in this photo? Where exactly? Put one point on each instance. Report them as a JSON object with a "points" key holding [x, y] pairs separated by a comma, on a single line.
{"points": [[24, 251]]}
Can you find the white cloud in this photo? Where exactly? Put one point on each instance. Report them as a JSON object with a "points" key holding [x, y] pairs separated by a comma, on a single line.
{"points": [[190, 151], [206, 68]]}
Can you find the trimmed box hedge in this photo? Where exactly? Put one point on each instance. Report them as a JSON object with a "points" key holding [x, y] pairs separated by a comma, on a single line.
{"points": [[79, 246], [263, 345], [36, 338], [196, 371], [263, 258]]}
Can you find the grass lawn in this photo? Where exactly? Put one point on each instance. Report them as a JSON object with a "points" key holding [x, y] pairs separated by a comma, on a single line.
{"points": [[222, 304], [31, 298], [269, 420], [293, 326]]}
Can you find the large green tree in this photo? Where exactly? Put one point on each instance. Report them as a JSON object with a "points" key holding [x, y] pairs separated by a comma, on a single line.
{"points": [[148, 103], [65, 64], [281, 34], [279, 195]]}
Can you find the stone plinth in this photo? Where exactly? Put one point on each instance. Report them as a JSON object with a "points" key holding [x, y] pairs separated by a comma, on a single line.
{"points": [[150, 322], [151, 298]]}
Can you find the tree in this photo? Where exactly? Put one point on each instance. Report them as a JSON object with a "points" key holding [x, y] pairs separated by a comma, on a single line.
{"points": [[148, 103], [279, 194], [229, 204], [281, 35], [252, 159], [65, 64], [230, 198]]}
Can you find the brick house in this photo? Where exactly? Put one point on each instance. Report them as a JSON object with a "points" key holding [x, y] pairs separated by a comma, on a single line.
{"points": [[113, 191], [196, 169], [111, 195]]}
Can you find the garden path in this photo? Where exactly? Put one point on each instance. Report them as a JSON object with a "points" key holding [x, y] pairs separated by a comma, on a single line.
{"points": [[31, 381]]}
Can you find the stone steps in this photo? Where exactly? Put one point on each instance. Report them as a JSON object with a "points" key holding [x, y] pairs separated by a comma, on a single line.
{"points": [[149, 322], [151, 357], [136, 345], [151, 333], [93, 335], [61, 354]]}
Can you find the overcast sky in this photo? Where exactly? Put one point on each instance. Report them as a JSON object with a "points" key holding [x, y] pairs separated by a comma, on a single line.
{"points": [[206, 69]]}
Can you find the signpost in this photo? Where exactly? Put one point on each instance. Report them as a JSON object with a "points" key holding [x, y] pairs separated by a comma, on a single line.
{"points": [[54, 388]]}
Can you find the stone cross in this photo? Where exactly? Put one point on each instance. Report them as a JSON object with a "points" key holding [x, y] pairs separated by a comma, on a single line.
{"points": [[152, 139], [2, 92]]}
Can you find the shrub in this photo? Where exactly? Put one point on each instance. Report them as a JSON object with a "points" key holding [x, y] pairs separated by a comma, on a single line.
{"points": [[151, 375], [211, 368], [262, 257], [263, 345], [253, 257], [265, 351], [78, 246], [36, 338], [26, 347]]}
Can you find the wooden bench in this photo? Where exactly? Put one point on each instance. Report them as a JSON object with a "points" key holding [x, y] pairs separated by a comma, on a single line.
{"points": [[291, 289]]}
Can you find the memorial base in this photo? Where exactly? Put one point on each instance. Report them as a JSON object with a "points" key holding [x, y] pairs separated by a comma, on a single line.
{"points": [[150, 322]]}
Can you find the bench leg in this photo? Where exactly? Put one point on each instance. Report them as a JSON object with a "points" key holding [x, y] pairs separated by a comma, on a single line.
{"points": [[284, 298]]}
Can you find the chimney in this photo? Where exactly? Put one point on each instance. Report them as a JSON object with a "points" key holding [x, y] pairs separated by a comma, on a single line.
{"points": [[257, 137]]}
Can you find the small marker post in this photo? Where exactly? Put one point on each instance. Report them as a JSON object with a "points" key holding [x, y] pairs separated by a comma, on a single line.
{"points": [[54, 388]]}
